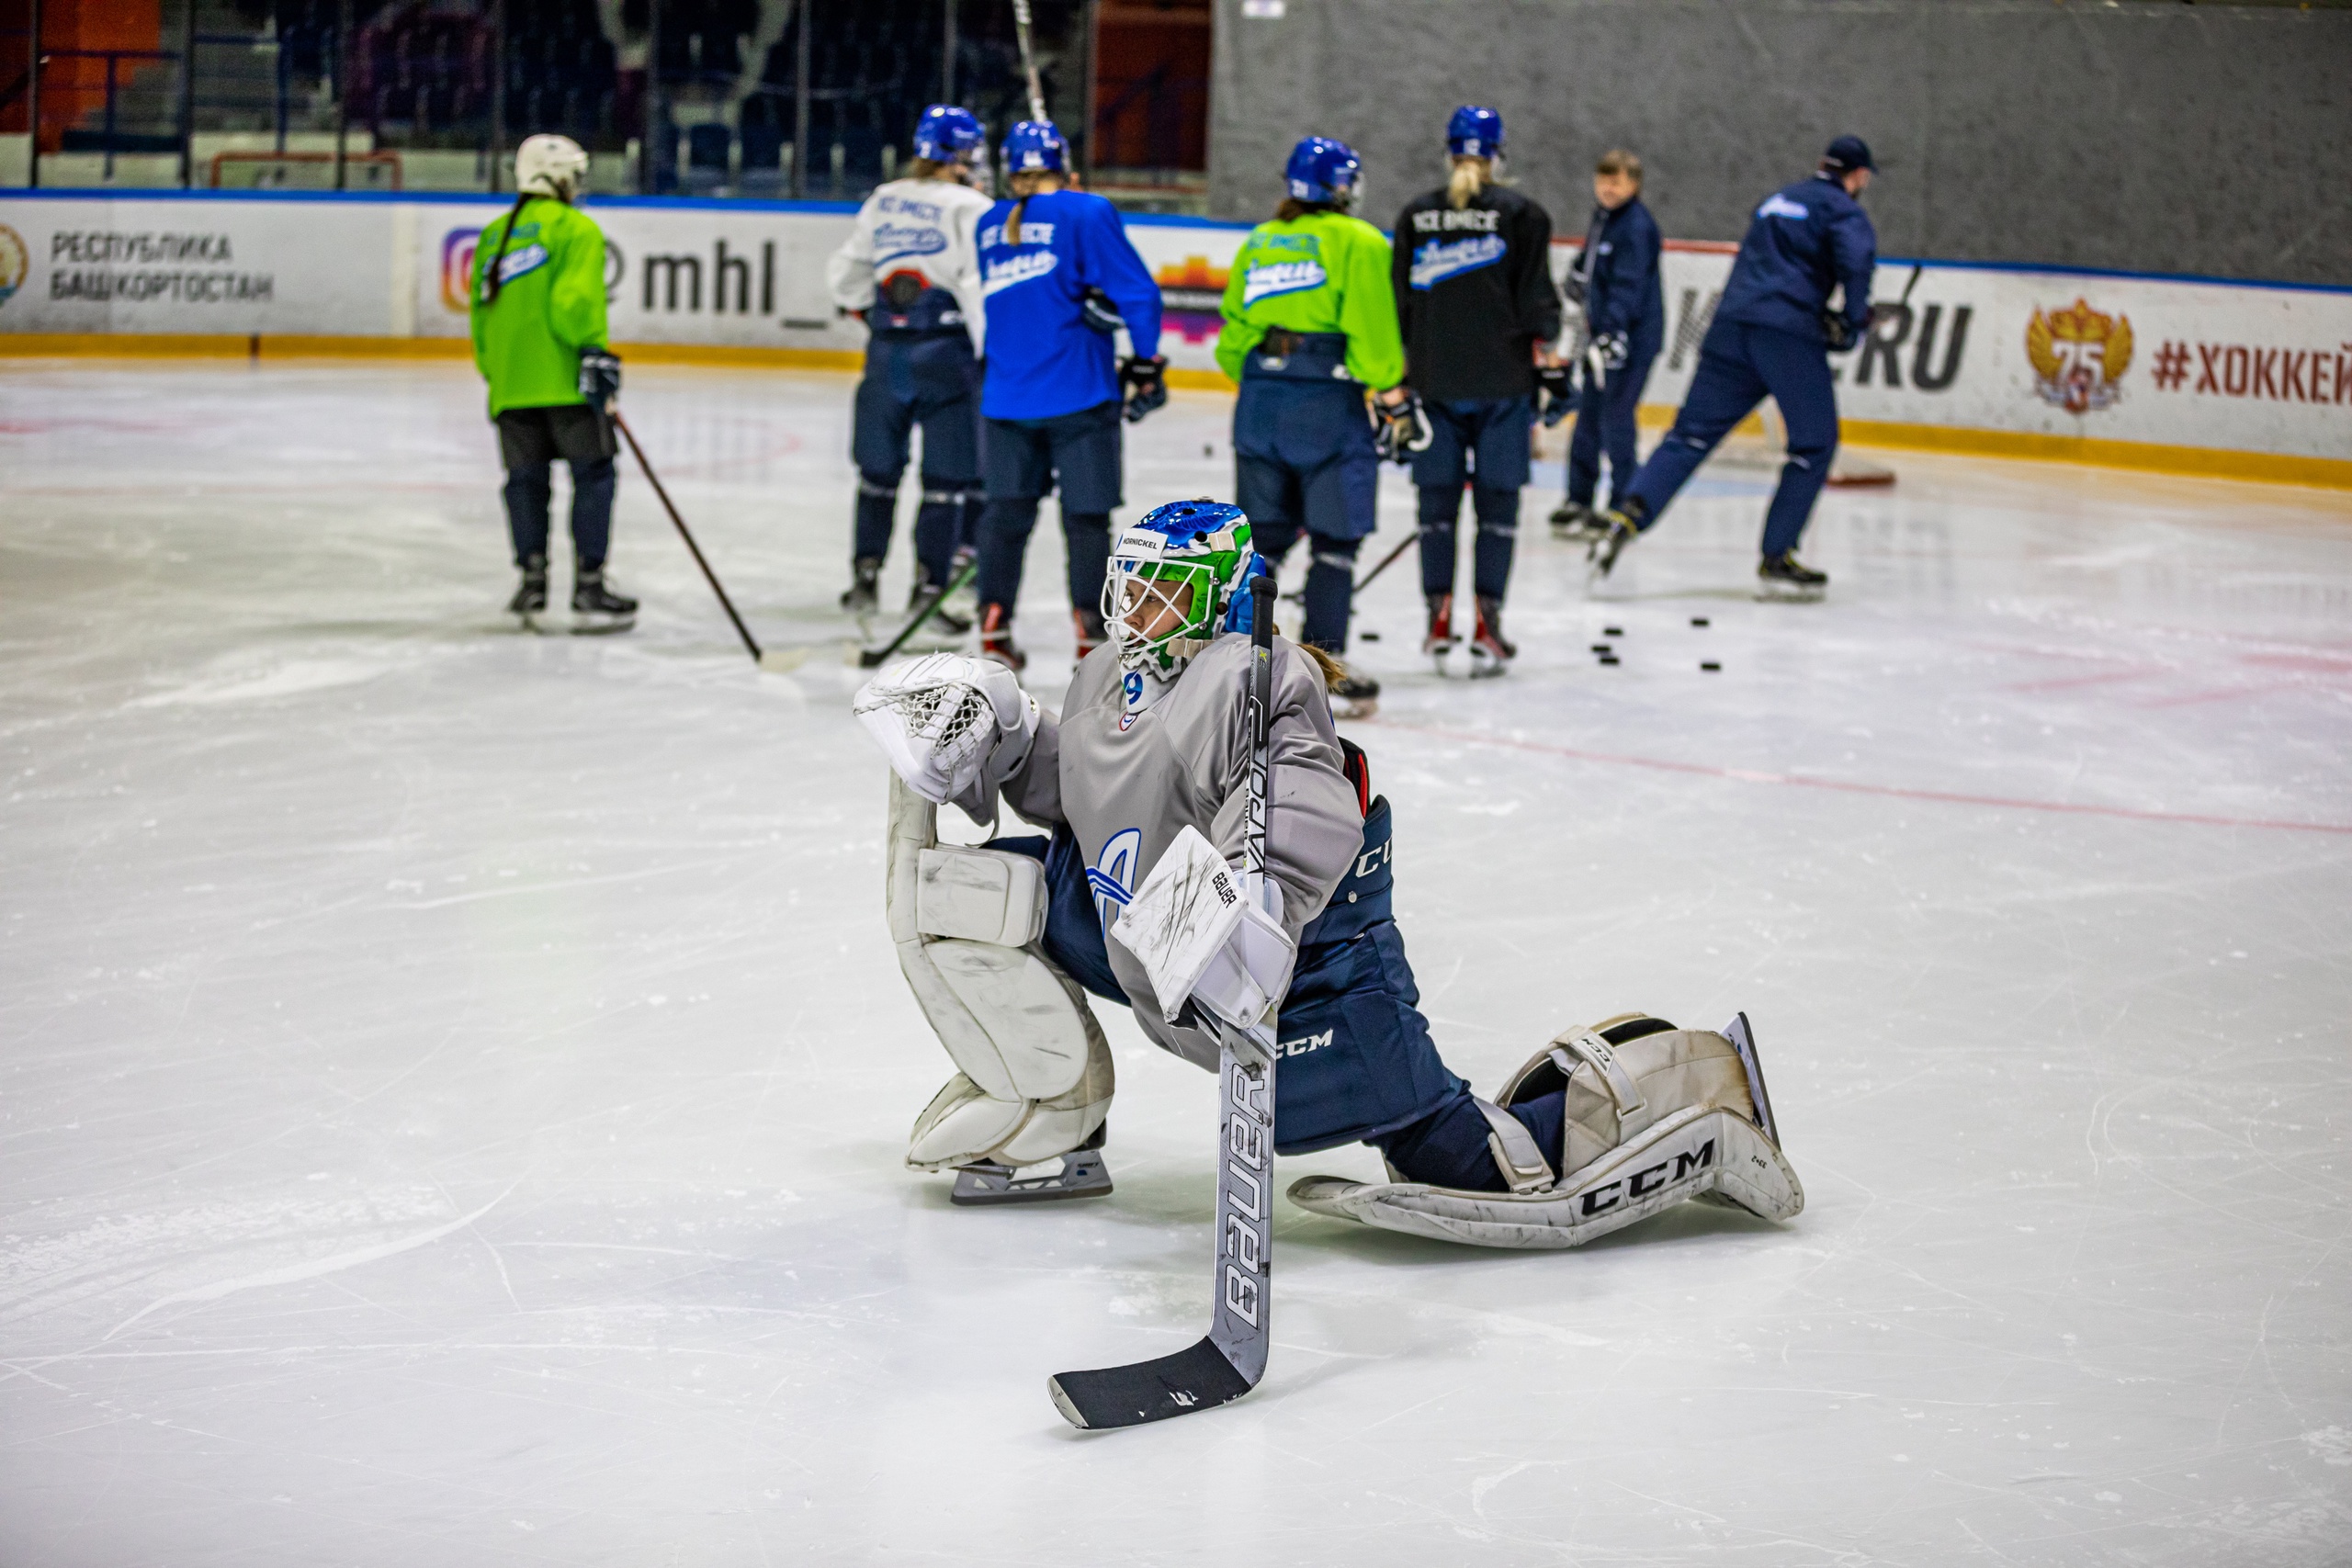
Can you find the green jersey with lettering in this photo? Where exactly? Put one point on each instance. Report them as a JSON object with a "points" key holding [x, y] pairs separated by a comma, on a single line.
{"points": [[550, 304], [1324, 272]]}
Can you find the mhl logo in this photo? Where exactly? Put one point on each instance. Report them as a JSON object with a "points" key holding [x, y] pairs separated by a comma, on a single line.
{"points": [[670, 279]]}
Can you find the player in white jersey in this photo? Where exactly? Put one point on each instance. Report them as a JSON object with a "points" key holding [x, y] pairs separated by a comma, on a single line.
{"points": [[1142, 780], [910, 268]]}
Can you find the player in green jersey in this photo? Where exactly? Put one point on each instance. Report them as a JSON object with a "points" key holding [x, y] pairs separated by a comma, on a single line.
{"points": [[537, 306], [1310, 323]]}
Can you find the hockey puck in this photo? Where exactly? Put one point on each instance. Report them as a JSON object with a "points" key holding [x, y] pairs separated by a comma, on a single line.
{"points": [[1369, 636], [1612, 631], [1709, 664], [1610, 659], [1602, 648], [1698, 620]]}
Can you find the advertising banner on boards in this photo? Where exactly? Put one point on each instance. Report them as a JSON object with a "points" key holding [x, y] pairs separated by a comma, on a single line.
{"points": [[2171, 362]]}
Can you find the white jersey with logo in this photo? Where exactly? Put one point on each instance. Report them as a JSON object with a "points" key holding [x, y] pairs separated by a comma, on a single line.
{"points": [[925, 229]]}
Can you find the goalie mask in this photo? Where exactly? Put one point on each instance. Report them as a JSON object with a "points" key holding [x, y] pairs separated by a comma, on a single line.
{"points": [[1172, 576]]}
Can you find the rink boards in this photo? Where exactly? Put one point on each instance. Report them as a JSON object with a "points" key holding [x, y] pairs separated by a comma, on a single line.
{"points": [[2254, 380]]}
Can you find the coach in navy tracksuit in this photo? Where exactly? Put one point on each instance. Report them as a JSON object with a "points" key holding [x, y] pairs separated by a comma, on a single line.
{"points": [[1616, 280], [1772, 335]]}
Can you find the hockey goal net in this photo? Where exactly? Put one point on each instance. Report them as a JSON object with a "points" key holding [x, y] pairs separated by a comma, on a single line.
{"points": [[251, 170]]}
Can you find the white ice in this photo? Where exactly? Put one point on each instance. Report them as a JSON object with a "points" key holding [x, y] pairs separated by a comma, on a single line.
{"points": [[455, 1082]]}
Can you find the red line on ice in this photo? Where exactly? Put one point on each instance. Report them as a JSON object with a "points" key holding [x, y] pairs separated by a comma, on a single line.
{"points": [[1894, 792]]}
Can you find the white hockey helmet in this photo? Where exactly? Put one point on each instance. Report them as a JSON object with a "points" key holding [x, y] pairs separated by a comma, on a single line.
{"points": [[550, 165]]}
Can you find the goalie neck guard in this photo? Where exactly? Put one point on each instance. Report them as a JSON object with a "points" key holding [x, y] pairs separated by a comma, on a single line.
{"points": [[1172, 577]]}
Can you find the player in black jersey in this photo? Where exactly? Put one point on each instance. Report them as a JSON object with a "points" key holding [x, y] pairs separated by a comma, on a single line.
{"points": [[1476, 300]]}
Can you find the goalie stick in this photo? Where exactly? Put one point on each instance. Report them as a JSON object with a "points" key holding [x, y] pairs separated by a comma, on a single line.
{"points": [[1231, 1360]]}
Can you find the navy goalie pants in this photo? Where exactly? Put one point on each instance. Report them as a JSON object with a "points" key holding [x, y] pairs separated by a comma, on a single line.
{"points": [[1356, 1062]]}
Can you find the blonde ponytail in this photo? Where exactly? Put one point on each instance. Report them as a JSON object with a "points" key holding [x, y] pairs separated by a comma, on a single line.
{"points": [[1470, 176]]}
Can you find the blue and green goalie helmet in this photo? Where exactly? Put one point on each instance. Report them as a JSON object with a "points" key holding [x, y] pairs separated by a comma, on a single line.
{"points": [[1172, 577]]}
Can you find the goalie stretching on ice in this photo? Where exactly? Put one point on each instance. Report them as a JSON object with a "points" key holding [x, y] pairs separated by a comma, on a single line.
{"points": [[1141, 781]]}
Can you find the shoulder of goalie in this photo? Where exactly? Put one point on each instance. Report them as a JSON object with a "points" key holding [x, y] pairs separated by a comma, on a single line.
{"points": [[1654, 1115], [953, 727], [1202, 938], [1033, 1076]]}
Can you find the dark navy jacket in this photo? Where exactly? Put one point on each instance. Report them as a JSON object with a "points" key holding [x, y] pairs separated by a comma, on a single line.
{"points": [[1620, 268], [1805, 241]]}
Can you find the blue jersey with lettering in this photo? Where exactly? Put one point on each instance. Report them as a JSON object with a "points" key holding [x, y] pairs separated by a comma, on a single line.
{"points": [[1042, 359], [1805, 241]]}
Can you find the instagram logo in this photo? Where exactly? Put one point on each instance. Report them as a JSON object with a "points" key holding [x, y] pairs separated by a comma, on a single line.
{"points": [[457, 266]]}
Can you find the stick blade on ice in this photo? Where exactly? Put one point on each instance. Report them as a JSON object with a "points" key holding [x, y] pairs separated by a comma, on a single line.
{"points": [[1195, 1378]]}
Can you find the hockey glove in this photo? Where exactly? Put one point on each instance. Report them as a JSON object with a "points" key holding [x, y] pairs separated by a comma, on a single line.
{"points": [[1613, 349], [600, 375], [1404, 428], [1096, 309], [1837, 331], [1146, 383], [954, 727], [1559, 396], [1201, 937]]}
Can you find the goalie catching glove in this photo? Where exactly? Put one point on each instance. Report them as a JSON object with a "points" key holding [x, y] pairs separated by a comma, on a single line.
{"points": [[1202, 938], [953, 728]]}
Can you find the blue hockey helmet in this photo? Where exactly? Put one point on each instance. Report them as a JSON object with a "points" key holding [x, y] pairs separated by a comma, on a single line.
{"points": [[1171, 581], [1474, 133], [946, 133], [1323, 169], [1032, 145]]}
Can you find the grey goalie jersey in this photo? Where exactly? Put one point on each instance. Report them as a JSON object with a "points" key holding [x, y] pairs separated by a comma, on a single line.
{"points": [[1131, 761]]}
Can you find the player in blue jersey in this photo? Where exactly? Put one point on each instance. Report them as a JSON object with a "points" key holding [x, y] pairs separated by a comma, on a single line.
{"points": [[1060, 277], [1772, 336]]}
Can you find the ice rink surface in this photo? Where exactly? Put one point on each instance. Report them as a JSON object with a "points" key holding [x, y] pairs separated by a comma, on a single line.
{"points": [[455, 1080]]}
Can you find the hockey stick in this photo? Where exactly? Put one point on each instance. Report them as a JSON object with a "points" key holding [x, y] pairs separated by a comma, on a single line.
{"points": [[692, 549], [868, 657], [1028, 59], [1231, 1359], [1387, 560]]}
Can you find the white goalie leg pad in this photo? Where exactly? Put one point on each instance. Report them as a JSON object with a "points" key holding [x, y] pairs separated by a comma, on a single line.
{"points": [[1035, 1078], [1656, 1116]]}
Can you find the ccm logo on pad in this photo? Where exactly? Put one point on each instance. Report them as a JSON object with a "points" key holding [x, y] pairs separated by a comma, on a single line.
{"points": [[1641, 1183]]}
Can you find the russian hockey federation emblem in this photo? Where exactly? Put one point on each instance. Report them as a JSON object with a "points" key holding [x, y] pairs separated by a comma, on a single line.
{"points": [[2079, 356], [15, 262]]}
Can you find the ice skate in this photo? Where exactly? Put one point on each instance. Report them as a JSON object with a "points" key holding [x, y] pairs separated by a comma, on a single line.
{"points": [[943, 620], [1575, 522], [1652, 1115], [964, 595], [1613, 530], [596, 609], [1354, 694], [1790, 580], [1440, 640], [986, 1184], [996, 637], [1489, 654], [530, 601], [860, 598], [1088, 623]]}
